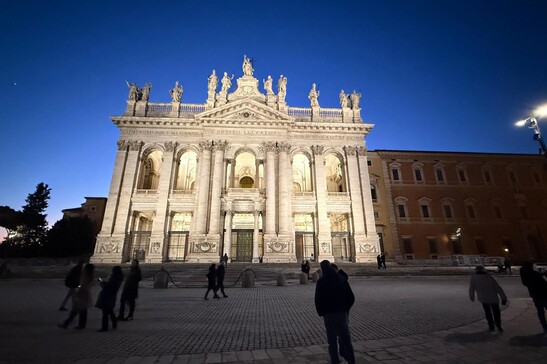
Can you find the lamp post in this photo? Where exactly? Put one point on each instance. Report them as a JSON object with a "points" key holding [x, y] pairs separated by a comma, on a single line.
{"points": [[532, 123]]}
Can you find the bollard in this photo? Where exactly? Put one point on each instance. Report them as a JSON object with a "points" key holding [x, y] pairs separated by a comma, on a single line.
{"points": [[315, 277], [281, 280], [248, 279], [303, 278], [161, 279]]}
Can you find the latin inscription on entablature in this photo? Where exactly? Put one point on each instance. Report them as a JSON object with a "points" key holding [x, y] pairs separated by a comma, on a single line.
{"points": [[325, 136], [246, 132], [160, 132]]}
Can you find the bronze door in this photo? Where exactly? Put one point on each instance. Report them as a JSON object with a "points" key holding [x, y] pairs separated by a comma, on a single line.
{"points": [[244, 246]]}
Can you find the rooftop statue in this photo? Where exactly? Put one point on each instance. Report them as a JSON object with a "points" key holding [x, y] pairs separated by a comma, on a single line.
{"points": [[282, 87], [247, 66], [355, 99], [226, 83], [343, 99], [314, 96], [213, 82], [176, 93], [268, 83], [133, 91], [145, 95]]}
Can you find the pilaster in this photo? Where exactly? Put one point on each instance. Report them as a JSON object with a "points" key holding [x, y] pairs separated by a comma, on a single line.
{"points": [[218, 176], [358, 222], [323, 224]]}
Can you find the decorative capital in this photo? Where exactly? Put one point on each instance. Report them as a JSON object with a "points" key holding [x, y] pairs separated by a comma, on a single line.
{"points": [[270, 147], [170, 146], [205, 145], [122, 144], [135, 145], [317, 149], [362, 151], [284, 147], [219, 145], [350, 150]]}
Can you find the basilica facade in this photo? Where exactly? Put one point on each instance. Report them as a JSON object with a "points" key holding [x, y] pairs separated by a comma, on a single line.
{"points": [[243, 174]]}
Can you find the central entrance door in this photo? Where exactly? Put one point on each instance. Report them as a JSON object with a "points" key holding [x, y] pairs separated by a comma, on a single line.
{"points": [[244, 252]]}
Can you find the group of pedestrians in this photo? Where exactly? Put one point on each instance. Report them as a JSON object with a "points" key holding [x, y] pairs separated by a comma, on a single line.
{"points": [[489, 294], [80, 281], [215, 279]]}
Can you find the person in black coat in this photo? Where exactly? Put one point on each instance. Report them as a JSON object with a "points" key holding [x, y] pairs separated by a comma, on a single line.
{"points": [[221, 271], [333, 300], [212, 281], [379, 261], [107, 297], [537, 287], [383, 259], [130, 291]]}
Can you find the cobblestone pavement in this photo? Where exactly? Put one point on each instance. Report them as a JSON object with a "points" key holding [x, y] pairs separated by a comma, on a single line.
{"points": [[396, 320]]}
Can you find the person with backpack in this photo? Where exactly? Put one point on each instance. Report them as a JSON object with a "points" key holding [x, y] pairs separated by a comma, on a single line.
{"points": [[107, 297], [72, 281], [82, 299]]}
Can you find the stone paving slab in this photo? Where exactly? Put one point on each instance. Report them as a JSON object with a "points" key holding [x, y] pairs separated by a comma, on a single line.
{"points": [[412, 321]]}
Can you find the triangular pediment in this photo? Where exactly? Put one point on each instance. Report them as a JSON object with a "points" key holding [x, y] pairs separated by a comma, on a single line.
{"points": [[244, 109]]}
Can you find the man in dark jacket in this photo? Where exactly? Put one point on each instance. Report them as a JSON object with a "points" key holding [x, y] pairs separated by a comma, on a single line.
{"points": [[130, 291], [72, 281], [221, 272], [537, 287], [333, 300]]}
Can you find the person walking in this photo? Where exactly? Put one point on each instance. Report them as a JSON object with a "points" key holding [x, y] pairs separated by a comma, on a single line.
{"points": [[537, 288], [221, 272], [107, 298], [82, 299], [507, 264], [383, 259], [212, 281], [130, 291], [305, 267], [488, 290], [333, 300], [72, 281], [379, 261]]}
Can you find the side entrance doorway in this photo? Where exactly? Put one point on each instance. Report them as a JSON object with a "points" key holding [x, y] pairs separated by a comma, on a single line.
{"points": [[243, 246]]}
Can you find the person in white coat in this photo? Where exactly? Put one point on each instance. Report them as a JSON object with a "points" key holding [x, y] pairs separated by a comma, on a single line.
{"points": [[489, 293]]}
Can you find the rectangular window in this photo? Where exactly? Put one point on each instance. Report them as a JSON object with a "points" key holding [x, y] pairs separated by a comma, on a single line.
{"points": [[448, 211], [418, 174], [461, 174], [402, 211], [395, 173], [487, 177], [373, 194], [376, 215], [480, 246], [407, 245], [433, 248], [440, 175], [425, 211], [369, 163], [471, 211]]}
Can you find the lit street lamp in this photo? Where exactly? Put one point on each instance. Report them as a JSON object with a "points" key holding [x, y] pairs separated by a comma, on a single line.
{"points": [[533, 124]]}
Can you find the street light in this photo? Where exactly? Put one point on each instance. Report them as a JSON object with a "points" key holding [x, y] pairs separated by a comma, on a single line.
{"points": [[533, 124]]}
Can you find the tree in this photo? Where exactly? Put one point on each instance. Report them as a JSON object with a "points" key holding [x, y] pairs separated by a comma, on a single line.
{"points": [[72, 236], [10, 219], [31, 232]]}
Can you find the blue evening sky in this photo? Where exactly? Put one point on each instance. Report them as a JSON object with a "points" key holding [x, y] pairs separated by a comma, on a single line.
{"points": [[435, 75]]}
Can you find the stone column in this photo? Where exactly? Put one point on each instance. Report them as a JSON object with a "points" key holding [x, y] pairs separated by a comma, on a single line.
{"points": [[257, 174], [256, 215], [216, 190], [372, 243], [323, 235], [160, 226], [228, 234], [104, 239], [354, 184], [284, 198], [203, 190], [271, 151], [233, 170]]}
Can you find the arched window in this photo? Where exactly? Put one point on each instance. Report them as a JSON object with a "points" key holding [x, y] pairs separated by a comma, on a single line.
{"points": [[301, 173], [150, 171], [245, 171], [186, 171], [334, 174]]}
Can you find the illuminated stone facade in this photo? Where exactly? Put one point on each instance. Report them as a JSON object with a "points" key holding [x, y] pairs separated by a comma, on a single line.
{"points": [[243, 174]]}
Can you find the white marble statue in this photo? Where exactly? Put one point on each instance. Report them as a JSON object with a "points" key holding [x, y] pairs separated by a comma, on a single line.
{"points": [[355, 99], [213, 82], [268, 83], [145, 96], [176, 93], [314, 96], [133, 91], [282, 87], [343, 99], [226, 83], [247, 66]]}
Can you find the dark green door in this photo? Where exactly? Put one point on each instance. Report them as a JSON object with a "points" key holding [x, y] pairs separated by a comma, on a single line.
{"points": [[244, 245]]}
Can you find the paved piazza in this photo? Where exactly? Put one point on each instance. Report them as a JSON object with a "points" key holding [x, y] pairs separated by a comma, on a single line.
{"points": [[392, 318]]}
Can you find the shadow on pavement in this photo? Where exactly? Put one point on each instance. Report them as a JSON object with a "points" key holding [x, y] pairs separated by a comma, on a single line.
{"points": [[473, 337], [537, 340]]}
